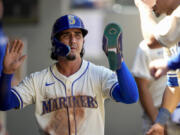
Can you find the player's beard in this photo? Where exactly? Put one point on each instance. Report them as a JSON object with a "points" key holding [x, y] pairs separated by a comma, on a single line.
{"points": [[71, 57]]}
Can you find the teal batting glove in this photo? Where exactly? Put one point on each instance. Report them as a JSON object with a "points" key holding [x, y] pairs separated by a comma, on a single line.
{"points": [[112, 45]]}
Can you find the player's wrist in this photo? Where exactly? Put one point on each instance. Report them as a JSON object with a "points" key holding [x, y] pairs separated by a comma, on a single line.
{"points": [[154, 116], [163, 116], [8, 72]]}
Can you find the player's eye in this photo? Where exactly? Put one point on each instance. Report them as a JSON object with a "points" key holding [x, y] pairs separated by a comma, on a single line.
{"points": [[78, 35], [65, 36]]}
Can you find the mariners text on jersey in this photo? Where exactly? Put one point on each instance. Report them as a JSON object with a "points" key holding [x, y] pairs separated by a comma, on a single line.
{"points": [[70, 101]]}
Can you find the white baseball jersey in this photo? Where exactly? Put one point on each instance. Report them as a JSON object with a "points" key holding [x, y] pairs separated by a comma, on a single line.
{"points": [[144, 56], [71, 105]]}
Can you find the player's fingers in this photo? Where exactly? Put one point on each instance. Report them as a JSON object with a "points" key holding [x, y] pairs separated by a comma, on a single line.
{"points": [[13, 46], [17, 46], [7, 48], [158, 74], [20, 48], [152, 71], [149, 132], [22, 58]]}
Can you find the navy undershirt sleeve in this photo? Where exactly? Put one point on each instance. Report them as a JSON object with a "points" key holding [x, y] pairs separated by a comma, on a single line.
{"points": [[126, 91], [174, 62], [8, 99]]}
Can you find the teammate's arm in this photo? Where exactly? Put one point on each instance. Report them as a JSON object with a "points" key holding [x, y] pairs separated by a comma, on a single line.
{"points": [[172, 95], [148, 23], [12, 61], [8, 99], [160, 67], [146, 98], [126, 91]]}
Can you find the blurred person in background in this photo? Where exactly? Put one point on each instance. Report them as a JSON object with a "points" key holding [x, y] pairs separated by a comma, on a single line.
{"points": [[165, 33], [151, 90]]}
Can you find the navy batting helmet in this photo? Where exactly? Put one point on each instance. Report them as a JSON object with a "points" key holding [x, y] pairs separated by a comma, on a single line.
{"points": [[63, 23]]}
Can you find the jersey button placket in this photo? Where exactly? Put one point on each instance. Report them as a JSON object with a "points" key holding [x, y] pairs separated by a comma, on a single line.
{"points": [[68, 87], [71, 109]]}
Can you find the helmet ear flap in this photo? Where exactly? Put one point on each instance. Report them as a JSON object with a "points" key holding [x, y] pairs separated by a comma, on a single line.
{"points": [[59, 48]]}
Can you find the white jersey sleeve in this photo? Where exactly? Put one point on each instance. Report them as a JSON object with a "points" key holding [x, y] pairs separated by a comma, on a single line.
{"points": [[27, 89], [106, 78], [140, 66], [108, 81], [167, 31]]}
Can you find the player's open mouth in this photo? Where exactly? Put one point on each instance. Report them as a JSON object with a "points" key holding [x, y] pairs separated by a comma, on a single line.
{"points": [[73, 48]]}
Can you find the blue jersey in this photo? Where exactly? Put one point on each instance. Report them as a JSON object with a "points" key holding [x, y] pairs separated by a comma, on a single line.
{"points": [[3, 42]]}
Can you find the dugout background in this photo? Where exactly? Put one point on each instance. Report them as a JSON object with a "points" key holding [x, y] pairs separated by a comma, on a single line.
{"points": [[121, 119]]}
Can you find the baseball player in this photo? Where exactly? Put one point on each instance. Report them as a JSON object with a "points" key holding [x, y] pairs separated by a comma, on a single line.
{"points": [[165, 33], [69, 95], [150, 90]]}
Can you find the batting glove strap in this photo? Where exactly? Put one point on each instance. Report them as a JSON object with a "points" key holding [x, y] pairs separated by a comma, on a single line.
{"points": [[163, 116]]}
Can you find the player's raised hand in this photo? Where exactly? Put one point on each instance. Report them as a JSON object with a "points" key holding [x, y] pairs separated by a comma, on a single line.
{"points": [[158, 68], [13, 57], [112, 45]]}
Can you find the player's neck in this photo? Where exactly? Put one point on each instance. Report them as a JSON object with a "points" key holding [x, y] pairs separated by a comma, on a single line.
{"points": [[68, 67]]}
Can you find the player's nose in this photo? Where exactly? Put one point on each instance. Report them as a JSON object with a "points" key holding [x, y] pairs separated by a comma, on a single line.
{"points": [[73, 40]]}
